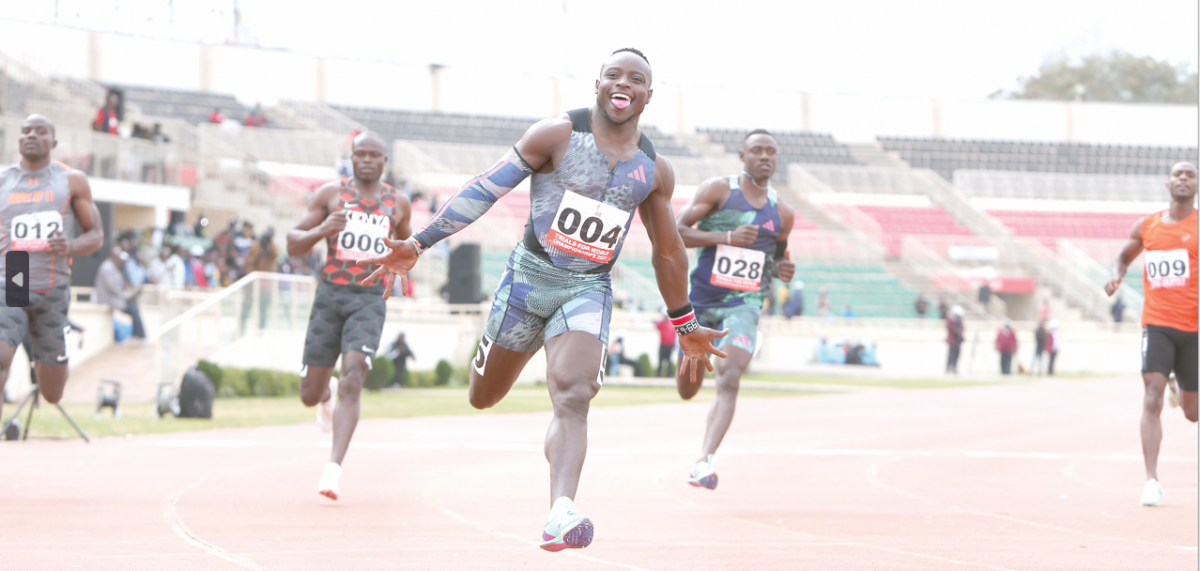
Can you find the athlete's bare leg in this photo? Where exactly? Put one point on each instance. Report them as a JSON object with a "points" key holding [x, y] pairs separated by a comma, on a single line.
{"points": [[1187, 401], [720, 415], [572, 370], [493, 373], [1156, 386], [314, 388], [52, 381]]}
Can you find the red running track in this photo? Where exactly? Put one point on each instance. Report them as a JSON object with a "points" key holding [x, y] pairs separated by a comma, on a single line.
{"points": [[1044, 475]]}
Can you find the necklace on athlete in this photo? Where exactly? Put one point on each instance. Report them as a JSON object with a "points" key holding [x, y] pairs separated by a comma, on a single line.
{"points": [[751, 177]]}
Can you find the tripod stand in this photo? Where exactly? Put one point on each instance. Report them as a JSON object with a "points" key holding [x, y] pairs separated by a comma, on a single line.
{"points": [[33, 399]]}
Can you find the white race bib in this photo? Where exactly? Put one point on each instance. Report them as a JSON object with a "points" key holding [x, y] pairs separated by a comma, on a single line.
{"points": [[1168, 268], [361, 238], [32, 231], [587, 228], [738, 268]]}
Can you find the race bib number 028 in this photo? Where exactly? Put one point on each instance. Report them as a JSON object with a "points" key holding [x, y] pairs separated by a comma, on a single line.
{"points": [[587, 228], [1167, 268], [738, 268], [32, 232], [362, 238]]}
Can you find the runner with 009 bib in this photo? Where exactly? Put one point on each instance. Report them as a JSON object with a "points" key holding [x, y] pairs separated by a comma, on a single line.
{"points": [[31, 232], [587, 228], [738, 268], [1167, 268]]}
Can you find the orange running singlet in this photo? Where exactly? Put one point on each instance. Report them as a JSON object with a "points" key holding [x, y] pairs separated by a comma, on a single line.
{"points": [[1169, 278]]}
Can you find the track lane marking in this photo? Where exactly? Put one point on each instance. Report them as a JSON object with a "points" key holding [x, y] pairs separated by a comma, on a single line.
{"points": [[181, 529]]}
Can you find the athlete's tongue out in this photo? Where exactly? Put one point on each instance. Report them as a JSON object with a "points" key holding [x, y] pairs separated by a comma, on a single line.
{"points": [[620, 102]]}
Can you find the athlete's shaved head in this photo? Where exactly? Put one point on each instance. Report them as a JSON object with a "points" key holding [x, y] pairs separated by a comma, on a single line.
{"points": [[369, 138], [43, 120], [757, 132], [633, 51], [369, 158], [1182, 183], [37, 138], [623, 88]]}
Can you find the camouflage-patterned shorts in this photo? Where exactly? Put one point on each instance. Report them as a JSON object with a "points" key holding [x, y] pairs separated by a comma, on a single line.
{"points": [[536, 301], [45, 318]]}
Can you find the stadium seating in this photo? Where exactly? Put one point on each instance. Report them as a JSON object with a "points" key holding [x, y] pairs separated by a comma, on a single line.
{"points": [[191, 106], [794, 147], [471, 129], [868, 289], [947, 155]]}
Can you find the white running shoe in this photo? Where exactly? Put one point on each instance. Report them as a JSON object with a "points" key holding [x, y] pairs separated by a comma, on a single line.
{"points": [[1152, 494], [567, 528], [325, 409], [704, 474], [328, 484]]}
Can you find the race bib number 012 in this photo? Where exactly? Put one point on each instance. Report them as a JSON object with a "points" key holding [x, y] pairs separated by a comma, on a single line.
{"points": [[587, 228], [31, 232], [1168, 268], [738, 268], [361, 238]]}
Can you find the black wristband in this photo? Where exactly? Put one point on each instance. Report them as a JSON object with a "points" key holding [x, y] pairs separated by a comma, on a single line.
{"points": [[780, 248], [677, 313], [688, 327]]}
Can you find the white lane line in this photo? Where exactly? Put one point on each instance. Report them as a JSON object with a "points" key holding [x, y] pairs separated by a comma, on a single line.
{"points": [[1185, 548], [180, 529], [656, 450]]}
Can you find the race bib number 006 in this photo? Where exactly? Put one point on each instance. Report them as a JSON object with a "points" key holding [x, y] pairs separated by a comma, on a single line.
{"points": [[587, 228], [738, 268], [361, 239], [1168, 268], [32, 232]]}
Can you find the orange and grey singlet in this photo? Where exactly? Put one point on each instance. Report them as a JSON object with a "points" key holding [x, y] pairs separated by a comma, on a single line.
{"points": [[33, 206], [1169, 277], [368, 226]]}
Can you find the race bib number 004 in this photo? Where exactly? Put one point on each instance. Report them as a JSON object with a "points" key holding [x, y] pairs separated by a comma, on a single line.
{"points": [[362, 239], [587, 228], [738, 268], [1168, 268], [32, 232]]}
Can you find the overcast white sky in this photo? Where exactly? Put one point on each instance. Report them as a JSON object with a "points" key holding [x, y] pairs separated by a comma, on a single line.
{"points": [[961, 49]]}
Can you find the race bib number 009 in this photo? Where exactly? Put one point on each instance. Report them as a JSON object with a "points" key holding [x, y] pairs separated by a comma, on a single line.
{"points": [[31, 232], [1168, 268], [587, 228], [738, 268], [361, 239]]}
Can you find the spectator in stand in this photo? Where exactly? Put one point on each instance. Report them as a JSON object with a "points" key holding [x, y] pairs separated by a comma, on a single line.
{"points": [[216, 116], [849, 313], [666, 345], [1118, 312], [823, 302], [167, 270], [1039, 348], [195, 268], [1044, 310], [256, 118], [921, 306], [113, 290], [1006, 344], [955, 333], [262, 257], [157, 135], [212, 269], [108, 118], [1054, 344], [795, 305], [943, 309], [400, 353]]}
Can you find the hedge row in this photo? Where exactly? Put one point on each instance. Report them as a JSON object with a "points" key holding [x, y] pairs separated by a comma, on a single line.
{"points": [[235, 382]]}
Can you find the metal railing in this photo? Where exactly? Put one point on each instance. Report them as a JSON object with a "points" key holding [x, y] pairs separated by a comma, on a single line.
{"points": [[1097, 273]]}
